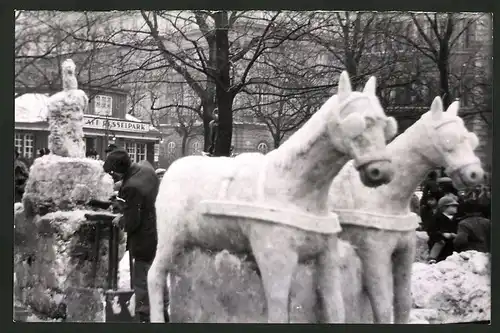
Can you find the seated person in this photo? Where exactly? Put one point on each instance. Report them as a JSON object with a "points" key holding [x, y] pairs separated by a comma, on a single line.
{"points": [[474, 231], [442, 230]]}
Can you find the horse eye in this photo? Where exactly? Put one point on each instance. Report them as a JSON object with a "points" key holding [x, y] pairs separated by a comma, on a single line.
{"points": [[451, 141]]}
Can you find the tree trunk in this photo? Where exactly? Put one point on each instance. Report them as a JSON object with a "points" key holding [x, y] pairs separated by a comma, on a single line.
{"points": [[184, 143], [443, 66], [224, 96], [277, 139], [208, 109]]}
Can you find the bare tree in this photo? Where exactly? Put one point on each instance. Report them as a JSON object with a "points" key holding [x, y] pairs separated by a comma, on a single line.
{"points": [[438, 37], [183, 112]]}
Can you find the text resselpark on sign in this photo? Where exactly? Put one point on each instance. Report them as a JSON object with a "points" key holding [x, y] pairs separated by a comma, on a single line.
{"points": [[115, 124]]}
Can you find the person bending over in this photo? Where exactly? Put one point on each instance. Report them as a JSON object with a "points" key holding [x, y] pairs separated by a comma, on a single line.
{"points": [[138, 190]]}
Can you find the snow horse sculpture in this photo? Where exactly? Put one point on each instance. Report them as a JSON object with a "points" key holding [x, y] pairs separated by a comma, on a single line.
{"points": [[276, 205]]}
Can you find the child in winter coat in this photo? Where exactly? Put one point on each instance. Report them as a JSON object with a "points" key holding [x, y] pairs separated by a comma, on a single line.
{"points": [[443, 229]]}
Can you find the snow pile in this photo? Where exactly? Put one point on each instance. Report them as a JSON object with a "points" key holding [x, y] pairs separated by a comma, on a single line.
{"points": [[457, 289]]}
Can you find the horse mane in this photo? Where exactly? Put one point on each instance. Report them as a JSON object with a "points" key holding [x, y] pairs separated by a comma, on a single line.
{"points": [[300, 141]]}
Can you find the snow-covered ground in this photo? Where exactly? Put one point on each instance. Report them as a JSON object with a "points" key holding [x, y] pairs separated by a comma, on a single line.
{"points": [[454, 290]]}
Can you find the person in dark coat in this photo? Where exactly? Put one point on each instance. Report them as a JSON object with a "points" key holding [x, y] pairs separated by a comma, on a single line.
{"points": [[431, 188], [474, 231], [110, 148], [443, 229], [427, 211], [21, 174], [446, 186], [139, 189]]}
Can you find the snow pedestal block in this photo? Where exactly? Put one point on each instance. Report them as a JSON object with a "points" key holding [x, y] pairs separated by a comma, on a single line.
{"points": [[62, 184], [224, 288], [62, 271]]}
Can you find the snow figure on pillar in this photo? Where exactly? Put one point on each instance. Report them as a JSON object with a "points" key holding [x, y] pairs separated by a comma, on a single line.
{"points": [[56, 227], [66, 110]]}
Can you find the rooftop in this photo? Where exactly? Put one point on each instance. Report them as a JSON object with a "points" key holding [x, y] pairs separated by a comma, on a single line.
{"points": [[33, 108]]}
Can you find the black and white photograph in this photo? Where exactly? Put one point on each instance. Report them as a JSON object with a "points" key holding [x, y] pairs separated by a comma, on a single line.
{"points": [[258, 166]]}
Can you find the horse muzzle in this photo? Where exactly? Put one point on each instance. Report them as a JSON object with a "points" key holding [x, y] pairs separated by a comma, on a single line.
{"points": [[468, 176], [375, 171]]}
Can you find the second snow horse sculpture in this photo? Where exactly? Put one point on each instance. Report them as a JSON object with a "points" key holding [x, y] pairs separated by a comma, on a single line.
{"points": [[378, 222], [275, 206]]}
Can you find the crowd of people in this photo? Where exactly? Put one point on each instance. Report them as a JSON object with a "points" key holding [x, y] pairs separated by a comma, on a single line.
{"points": [[455, 221]]}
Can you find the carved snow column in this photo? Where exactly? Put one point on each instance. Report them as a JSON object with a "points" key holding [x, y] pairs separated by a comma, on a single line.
{"points": [[66, 110], [61, 268]]}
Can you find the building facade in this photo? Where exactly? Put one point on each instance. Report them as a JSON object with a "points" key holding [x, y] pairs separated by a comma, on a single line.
{"points": [[105, 122], [247, 137]]}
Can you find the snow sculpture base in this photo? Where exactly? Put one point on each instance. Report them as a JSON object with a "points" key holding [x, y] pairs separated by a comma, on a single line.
{"points": [[224, 288], [60, 270], [62, 184]]}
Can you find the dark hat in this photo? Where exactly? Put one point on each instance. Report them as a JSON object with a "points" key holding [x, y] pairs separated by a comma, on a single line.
{"points": [[118, 160], [444, 180], [447, 200], [111, 147]]}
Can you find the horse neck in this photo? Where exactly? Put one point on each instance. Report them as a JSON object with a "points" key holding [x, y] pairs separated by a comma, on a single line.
{"points": [[410, 166], [302, 169]]}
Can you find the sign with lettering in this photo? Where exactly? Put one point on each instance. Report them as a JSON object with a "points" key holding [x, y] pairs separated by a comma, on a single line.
{"points": [[114, 124]]}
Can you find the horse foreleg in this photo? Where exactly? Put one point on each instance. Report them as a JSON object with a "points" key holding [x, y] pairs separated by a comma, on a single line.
{"points": [[157, 278], [328, 284], [377, 280], [402, 266], [277, 265]]}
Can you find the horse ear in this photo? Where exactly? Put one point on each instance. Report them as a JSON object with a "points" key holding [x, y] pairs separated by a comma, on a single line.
{"points": [[370, 86], [437, 107], [453, 108], [344, 86]]}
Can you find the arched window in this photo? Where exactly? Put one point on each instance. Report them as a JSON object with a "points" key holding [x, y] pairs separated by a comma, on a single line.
{"points": [[196, 147], [263, 148], [171, 147]]}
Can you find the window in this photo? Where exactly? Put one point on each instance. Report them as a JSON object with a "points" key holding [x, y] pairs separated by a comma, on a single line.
{"points": [[262, 147], [156, 152], [18, 143], [392, 96], [196, 147], [171, 147], [25, 144], [130, 148], [103, 105], [137, 151], [141, 151]]}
